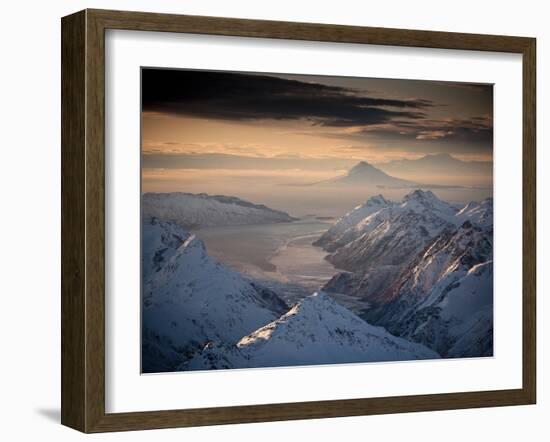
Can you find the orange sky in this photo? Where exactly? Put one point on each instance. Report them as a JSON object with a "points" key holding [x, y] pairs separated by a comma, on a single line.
{"points": [[302, 127]]}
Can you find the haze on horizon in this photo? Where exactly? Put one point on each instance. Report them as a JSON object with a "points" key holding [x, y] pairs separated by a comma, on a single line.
{"points": [[264, 137]]}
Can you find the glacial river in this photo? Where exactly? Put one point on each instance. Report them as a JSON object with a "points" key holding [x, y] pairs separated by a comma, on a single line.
{"points": [[279, 253]]}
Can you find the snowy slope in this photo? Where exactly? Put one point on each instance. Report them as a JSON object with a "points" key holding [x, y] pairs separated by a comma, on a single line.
{"points": [[317, 330], [191, 299], [394, 234], [467, 309], [202, 210], [420, 201], [332, 237], [458, 320], [407, 258], [392, 242], [159, 242], [432, 301], [366, 217], [480, 213], [448, 258]]}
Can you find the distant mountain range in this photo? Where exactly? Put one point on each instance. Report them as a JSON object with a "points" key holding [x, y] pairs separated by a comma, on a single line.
{"points": [[441, 164]]}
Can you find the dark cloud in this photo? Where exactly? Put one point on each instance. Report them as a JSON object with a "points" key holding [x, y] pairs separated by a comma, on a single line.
{"points": [[476, 130], [242, 97], [456, 136], [419, 125], [367, 116]]}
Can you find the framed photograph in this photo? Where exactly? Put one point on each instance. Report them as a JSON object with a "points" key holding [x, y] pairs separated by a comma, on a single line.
{"points": [[269, 220]]}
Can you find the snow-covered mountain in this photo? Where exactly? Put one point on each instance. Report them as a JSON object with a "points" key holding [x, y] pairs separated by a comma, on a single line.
{"points": [[467, 314], [199, 314], [159, 242], [407, 259], [421, 268], [329, 240], [392, 235], [447, 258], [190, 299], [365, 174], [454, 318], [377, 210], [203, 210], [420, 201], [317, 330], [480, 213]]}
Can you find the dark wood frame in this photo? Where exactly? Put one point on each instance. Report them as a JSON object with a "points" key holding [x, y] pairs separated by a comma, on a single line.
{"points": [[83, 217]]}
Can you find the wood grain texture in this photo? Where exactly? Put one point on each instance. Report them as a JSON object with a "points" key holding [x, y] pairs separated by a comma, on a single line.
{"points": [[144, 21], [95, 222], [83, 220], [529, 221], [73, 254]]}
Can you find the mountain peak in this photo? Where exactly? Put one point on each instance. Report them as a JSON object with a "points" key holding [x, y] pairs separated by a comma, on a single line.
{"points": [[321, 331], [360, 167], [421, 195], [318, 298], [317, 302], [481, 213], [377, 200], [365, 174], [421, 200]]}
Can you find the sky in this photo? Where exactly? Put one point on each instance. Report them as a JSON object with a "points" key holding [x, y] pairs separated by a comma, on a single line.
{"points": [[230, 129]]}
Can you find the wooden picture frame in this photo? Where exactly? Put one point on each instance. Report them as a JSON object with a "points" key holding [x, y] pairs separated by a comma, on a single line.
{"points": [[83, 220]]}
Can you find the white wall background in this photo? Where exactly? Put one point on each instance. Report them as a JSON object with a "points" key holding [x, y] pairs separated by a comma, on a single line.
{"points": [[30, 217]]}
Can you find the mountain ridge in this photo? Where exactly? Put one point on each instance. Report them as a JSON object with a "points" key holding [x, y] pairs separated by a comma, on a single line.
{"points": [[192, 211], [410, 286], [317, 330], [375, 249], [444, 164], [190, 299]]}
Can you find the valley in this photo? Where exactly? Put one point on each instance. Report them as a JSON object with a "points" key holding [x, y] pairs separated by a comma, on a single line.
{"points": [[280, 255]]}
